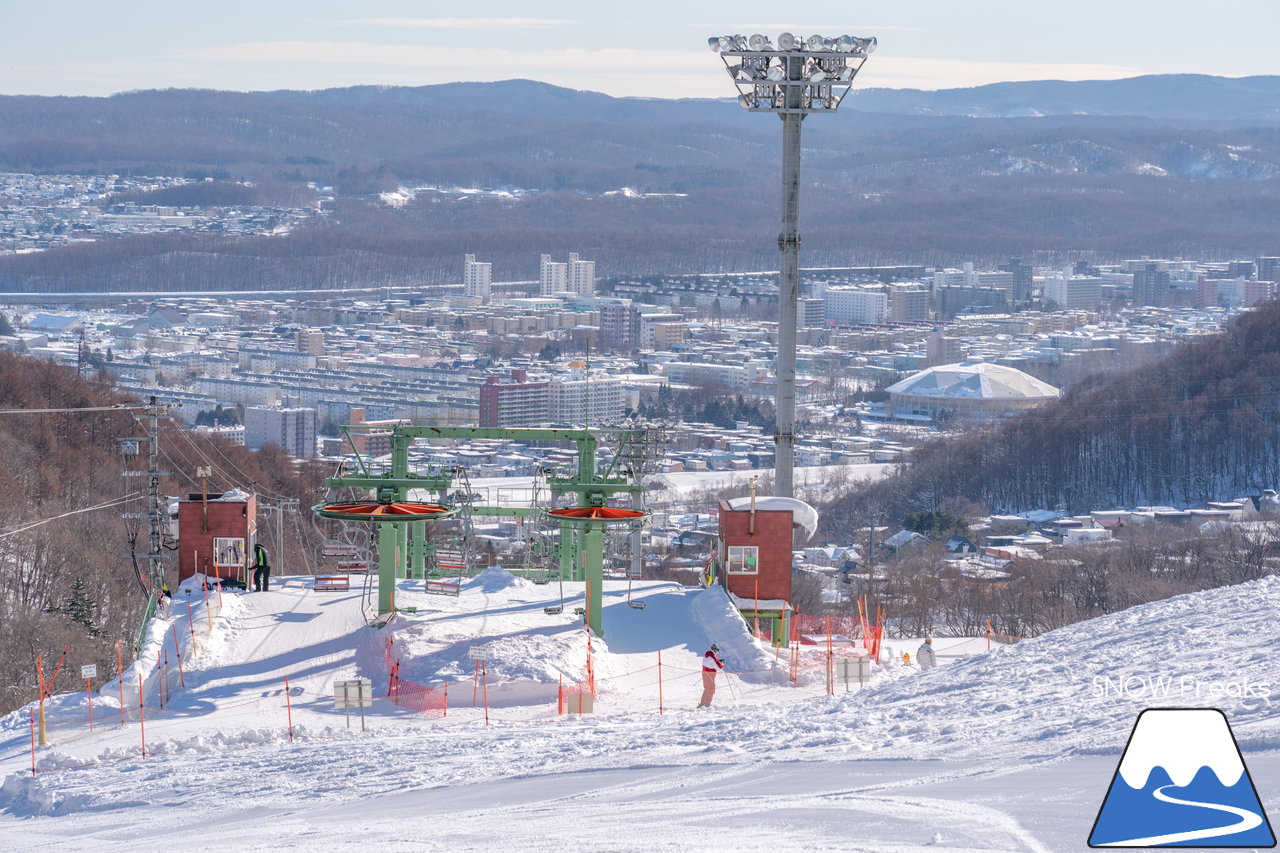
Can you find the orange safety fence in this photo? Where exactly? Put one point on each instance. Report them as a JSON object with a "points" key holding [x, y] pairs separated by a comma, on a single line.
{"points": [[506, 700], [1000, 639], [410, 694]]}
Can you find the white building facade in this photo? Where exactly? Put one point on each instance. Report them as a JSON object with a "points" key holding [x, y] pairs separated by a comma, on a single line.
{"points": [[477, 277]]}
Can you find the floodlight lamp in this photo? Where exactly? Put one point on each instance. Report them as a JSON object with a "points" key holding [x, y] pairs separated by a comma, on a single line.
{"points": [[846, 74], [786, 41], [739, 42], [844, 44], [817, 76], [869, 46], [776, 74], [814, 42], [759, 42], [714, 44]]}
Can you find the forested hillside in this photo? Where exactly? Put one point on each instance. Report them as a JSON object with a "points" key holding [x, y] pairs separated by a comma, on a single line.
{"points": [[878, 187], [1203, 424], [65, 578]]}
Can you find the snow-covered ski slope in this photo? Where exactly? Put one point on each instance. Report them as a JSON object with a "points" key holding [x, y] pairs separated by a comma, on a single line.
{"points": [[1011, 750]]}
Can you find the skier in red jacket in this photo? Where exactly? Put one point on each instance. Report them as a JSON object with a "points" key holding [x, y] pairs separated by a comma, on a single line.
{"points": [[711, 664]]}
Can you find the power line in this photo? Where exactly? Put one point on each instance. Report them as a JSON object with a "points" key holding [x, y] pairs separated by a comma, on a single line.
{"points": [[110, 503]]}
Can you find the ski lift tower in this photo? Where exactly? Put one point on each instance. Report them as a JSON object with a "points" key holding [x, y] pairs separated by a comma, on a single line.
{"points": [[582, 525], [800, 77]]}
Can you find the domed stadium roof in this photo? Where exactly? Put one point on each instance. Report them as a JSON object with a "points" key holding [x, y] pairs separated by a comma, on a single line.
{"points": [[974, 381]]}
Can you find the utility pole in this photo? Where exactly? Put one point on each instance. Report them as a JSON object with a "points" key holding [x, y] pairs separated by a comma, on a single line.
{"points": [[155, 516], [155, 556], [204, 473], [280, 507]]}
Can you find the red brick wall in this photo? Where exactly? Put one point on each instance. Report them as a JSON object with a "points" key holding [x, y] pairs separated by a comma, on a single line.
{"points": [[234, 519], [773, 537]]}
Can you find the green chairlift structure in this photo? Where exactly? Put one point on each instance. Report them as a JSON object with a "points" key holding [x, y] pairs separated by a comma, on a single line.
{"points": [[401, 523]]}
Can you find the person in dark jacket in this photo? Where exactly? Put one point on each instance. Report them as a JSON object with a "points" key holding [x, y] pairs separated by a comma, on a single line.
{"points": [[261, 569], [711, 665]]}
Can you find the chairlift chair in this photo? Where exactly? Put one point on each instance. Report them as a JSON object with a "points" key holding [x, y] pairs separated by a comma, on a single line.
{"points": [[634, 605], [556, 609]]}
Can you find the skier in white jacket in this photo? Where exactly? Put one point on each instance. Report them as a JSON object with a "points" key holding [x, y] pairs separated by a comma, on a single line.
{"points": [[925, 656]]}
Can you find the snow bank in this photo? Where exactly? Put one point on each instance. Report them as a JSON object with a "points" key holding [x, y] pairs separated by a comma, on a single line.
{"points": [[1078, 689], [715, 614]]}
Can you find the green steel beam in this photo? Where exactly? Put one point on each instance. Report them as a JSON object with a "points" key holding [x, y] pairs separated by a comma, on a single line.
{"points": [[580, 549], [431, 484]]}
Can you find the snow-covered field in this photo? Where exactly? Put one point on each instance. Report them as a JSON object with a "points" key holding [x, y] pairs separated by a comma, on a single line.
{"points": [[670, 487], [1008, 750]]}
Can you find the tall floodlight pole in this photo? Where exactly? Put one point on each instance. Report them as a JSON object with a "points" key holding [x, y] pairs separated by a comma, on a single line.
{"points": [[802, 76]]}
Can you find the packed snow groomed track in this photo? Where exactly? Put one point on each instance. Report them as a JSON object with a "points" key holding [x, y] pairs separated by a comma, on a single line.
{"points": [[1007, 750]]}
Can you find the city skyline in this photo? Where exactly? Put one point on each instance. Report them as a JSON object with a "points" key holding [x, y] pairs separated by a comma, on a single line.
{"points": [[659, 51]]}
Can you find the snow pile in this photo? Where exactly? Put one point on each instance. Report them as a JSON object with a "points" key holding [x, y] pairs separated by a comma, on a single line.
{"points": [[495, 579], [802, 515], [742, 654]]}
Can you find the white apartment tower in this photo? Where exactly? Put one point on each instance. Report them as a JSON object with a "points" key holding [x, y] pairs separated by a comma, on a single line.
{"points": [[553, 277], [576, 276], [476, 277], [582, 275]]}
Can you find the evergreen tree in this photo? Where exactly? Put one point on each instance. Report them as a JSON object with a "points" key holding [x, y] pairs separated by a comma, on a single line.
{"points": [[81, 608]]}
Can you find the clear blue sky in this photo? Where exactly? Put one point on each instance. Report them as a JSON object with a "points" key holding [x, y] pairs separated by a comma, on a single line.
{"points": [[654, 48]]}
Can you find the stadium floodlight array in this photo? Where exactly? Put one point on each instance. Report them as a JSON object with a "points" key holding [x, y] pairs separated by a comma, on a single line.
{"points": [[801, 77], [807, 74]]}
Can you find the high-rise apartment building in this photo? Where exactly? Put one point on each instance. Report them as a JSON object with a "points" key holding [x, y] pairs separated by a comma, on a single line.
{"points": [[1073, 291], [856, 305], [908, 304], [1151, 286], [581, 275], [311, 341], [576, 276], [477, 277], [553, 277], [1268, 269], [515, 403], [292, 429], [619, 325], [1023, 277]]}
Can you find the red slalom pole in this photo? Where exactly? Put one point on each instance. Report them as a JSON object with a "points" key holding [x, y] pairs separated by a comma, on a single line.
{"points": [[484, 674], [288, 704], [192, 625], [88, 693], [32, 715]]}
